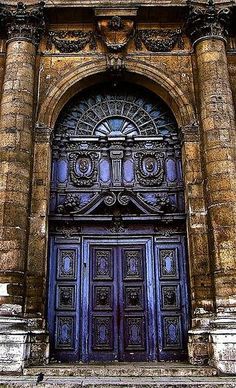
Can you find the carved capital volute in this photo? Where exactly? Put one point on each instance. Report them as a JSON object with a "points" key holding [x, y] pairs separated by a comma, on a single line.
{"points": [[207, 22], [23, 21]]}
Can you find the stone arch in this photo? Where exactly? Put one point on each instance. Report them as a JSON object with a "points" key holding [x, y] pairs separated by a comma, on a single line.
{"points": [[81, 77], [138, 72]]}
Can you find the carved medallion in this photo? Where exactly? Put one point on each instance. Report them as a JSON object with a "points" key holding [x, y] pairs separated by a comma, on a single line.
{"points": [[83, 170], [149, 168]]}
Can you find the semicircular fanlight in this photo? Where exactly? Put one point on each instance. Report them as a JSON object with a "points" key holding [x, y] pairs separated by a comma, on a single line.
{"points": [[125, 110]]}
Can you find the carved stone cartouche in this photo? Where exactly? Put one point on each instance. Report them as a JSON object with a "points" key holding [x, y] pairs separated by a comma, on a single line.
{"points": [[23, 21], [207, 22], [115, 32]]}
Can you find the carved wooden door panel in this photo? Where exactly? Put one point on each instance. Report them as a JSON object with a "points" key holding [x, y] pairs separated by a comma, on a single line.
{"points": [[172, 296], [64, 299], [116, 327]]}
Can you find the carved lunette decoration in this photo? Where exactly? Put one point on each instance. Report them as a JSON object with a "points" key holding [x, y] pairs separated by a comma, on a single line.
{"points": [[159, 40], [71, 41], [207, 21], [23, 21]]}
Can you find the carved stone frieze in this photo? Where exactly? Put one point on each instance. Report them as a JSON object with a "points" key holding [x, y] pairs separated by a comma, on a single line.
{"points": [[207, 21], [159, 40], [71, 41], [23, 21]]}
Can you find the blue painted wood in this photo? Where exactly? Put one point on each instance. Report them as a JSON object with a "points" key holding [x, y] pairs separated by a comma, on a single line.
{"points": [[117, 174], [63, 301], [119, 303], [171, 291]]}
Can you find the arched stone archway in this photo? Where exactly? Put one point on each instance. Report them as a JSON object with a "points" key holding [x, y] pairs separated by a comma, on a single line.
{"points": [[139, 72], [74, 81]]}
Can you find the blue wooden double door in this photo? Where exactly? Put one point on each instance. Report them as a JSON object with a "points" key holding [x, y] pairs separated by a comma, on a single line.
{"points": [[117, 299]]}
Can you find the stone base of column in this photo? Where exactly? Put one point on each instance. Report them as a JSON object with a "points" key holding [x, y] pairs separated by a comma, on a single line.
{"points": [[223, 345], [22, 344], [199, 346]]}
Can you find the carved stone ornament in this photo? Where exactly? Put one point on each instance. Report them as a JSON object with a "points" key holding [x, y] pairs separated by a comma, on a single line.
{"points": [[23, 21], [208, 21], [71, 41], [115, 32], [83, 170], [115, 63], [159, 40], [149, 168]]}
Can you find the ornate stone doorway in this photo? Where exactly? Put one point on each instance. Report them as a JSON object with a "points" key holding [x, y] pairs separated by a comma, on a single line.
{"points": [[118, 278]]}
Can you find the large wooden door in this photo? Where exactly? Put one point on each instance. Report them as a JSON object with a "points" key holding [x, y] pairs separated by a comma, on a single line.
{"points": [[117, 324], [121, 299], [117, 268]]}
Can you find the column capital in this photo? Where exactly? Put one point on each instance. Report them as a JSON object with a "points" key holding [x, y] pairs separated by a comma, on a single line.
{"points": [[207, 22], [23, 21]]}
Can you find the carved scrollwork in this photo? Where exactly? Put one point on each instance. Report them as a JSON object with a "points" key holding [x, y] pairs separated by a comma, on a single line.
{"points": [[83, 169], [149, 168], [159, 40], [67, 230], [207, 21], [160, 202], [71, 41], [115, 63], [74, 203], [23, 21], [123, 199], [117, 225], [110, 199]]}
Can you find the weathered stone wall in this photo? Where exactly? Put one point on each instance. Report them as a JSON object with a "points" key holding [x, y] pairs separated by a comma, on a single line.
{"points": [[195, 83]]}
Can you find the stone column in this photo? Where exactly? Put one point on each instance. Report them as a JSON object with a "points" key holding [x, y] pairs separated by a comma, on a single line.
{"points": [[23, 26], [207, 29]]}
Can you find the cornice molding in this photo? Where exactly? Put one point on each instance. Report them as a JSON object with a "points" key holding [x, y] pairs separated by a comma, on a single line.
{"points": [[23, 21]]}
